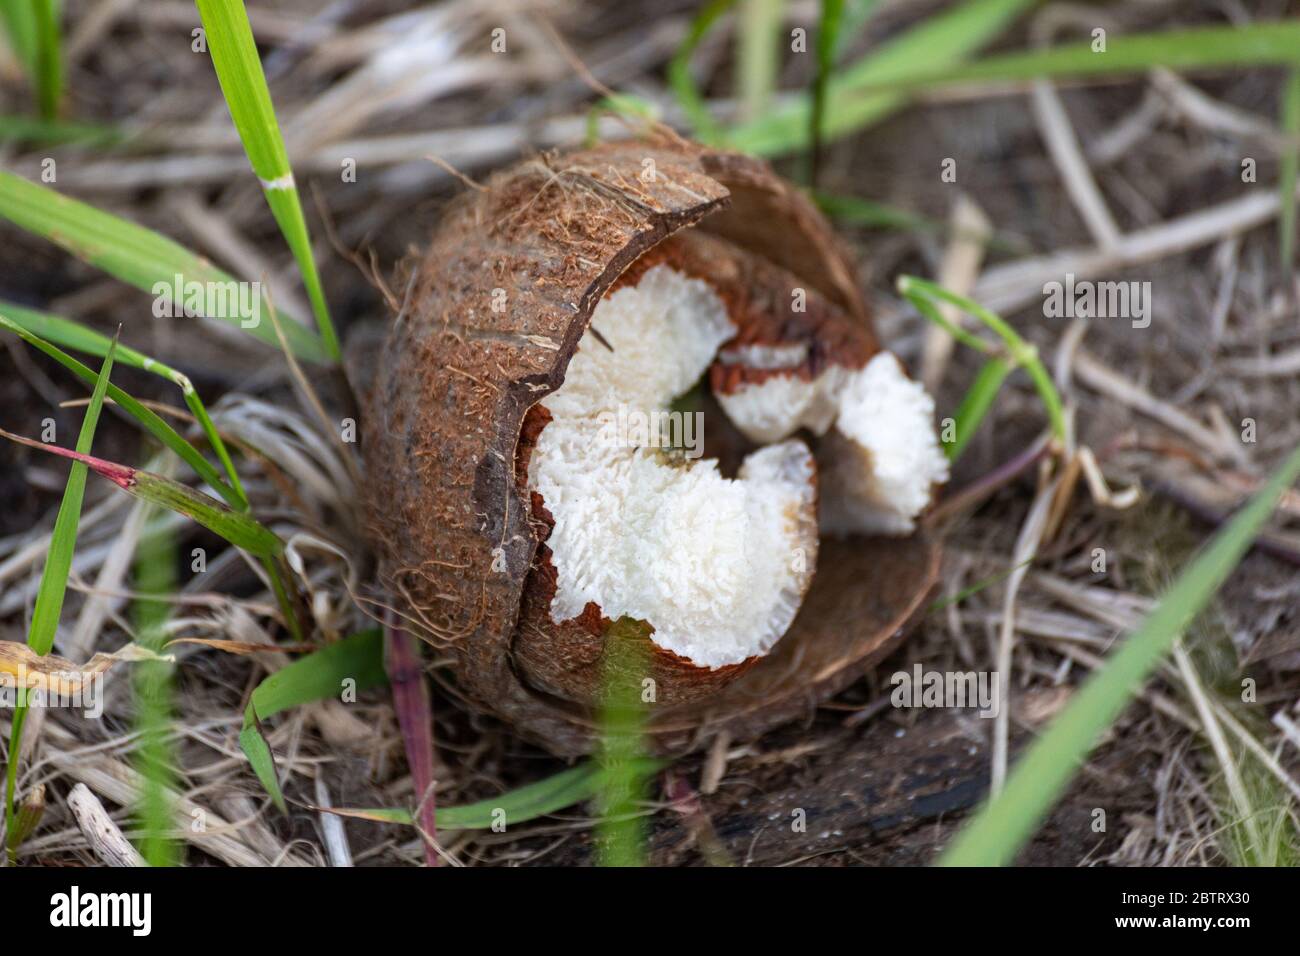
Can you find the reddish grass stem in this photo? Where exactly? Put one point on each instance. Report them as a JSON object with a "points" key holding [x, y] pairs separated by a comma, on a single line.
{"points": [[414, 710]]}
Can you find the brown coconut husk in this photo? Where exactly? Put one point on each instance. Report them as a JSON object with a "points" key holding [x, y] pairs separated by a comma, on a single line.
{"points": [[455, 527]]}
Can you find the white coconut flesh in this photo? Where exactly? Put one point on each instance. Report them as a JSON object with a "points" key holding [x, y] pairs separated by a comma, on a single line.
{"points": [[880, 456], [717, 566]]}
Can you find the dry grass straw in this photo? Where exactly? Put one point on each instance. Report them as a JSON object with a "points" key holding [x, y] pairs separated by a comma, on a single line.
{"points": [[1114, 160]]}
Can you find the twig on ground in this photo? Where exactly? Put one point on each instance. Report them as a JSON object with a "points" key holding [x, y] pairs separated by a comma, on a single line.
{"points": [[960, 268], [105, 839], [331, 824]]}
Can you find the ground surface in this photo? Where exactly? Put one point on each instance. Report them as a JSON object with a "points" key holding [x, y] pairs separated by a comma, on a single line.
{"points": [[1161, 406]]}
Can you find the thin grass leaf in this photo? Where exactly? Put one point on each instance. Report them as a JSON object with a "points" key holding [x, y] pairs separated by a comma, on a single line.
{"points": [[703, 126], [857, 14], [350, 666], [42, 132], [20, 32], [142, 258], [757, 32], [869, 214], [924, 304], [538, 799], [940, 603], [147, 418], [54, 579], [397, 815], [620, 104], [562, 790], [1002, 826], [870, 91], [1290, 165], [1264, 43], [873, 215], [74, 335], [976, 403], [243, 83], [828, 41], [78, 336], [155, 573], [414, 710], [943, 39], [63, 541], [253, 743], [922, 294], [621, 836], [555, 793], [49, 58], [237, 527]]}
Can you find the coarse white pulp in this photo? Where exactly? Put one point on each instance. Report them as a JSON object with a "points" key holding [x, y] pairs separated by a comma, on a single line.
{"points": [[880, 456], [717, 566]]}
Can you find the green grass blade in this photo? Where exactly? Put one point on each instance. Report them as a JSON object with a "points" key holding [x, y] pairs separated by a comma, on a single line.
{"points": [[141, 257], [828, 42], [869, 214], [555, 793], [20, 31], [918, 291], [155, 573], [689, 98], [757, 37], [147, 418], [74, 335], [924, 303], [77, 336], [873, 215], [621, 831], [943, 39], [54, 578], [856, 16], [253, 743], [239, 71], [1001, 827], [536, 799], [321, 674], [619, 104], [209, 429], [41, 132], [49, 58], [1275, 43], [1290, 164], [938, 604], [976, 403], [237, 527], [358, 659], [54, 582]]}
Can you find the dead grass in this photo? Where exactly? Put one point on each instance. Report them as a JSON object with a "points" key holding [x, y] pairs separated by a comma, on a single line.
{"points": [[1136, 180]]}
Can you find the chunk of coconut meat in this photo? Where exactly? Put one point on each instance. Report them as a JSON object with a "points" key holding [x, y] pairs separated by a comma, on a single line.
{"points": [[717, 566], [880, 456]]}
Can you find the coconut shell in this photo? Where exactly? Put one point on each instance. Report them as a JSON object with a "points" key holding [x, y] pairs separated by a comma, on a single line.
{"points": [[496, 308]]}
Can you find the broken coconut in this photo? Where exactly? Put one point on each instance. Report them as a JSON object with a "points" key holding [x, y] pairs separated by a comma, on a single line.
{"points": [[538, 469]]}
